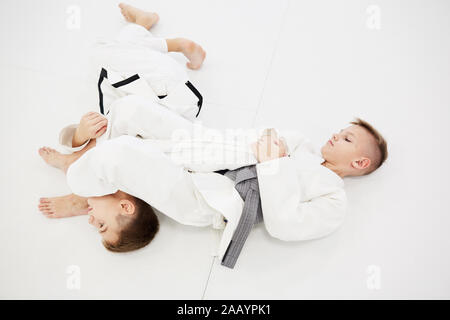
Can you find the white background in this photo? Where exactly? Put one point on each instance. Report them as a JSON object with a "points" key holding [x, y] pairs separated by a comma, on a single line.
{"points": [[308, 65]]}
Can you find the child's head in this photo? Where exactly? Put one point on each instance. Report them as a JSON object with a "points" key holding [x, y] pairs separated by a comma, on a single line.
{"points": [[356, 150], [125, 222]]}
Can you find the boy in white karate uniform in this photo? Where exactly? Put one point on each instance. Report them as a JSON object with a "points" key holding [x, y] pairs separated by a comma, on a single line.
{"points": [[135, 62]]}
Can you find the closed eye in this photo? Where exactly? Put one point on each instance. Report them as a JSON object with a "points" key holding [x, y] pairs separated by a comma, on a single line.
{"points": [[102, 228], [347, 140]]}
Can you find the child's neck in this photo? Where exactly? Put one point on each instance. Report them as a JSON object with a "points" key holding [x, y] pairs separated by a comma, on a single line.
{"points": [[333, 168]]}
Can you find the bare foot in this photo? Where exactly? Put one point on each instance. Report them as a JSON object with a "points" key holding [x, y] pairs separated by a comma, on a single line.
{"points": [[54, 158], [195, 53], [138, 16], [63, 207]]}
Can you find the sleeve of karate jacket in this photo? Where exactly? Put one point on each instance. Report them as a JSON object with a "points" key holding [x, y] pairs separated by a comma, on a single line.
{"points": [[66, 136], [286, 217], [131, 165], [116, 164], [89, 177]]}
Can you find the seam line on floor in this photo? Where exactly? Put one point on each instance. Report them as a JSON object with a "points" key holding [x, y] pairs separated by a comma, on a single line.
{"points": [[283, 21], [209, 276]]}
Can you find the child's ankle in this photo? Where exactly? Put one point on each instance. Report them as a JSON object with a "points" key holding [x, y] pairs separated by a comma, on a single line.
{"points": [[187, 46]]}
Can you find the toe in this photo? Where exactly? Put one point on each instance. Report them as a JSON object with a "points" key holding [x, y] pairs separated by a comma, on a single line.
{"points": [[45, 211], [155, 17]]}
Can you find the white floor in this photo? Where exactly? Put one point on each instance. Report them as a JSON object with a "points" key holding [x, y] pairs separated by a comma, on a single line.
{"points": [[312, 65]]}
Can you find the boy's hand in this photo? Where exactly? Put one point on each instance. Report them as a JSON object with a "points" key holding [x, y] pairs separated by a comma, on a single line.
{"points": [[269, 146], [92, 125]]}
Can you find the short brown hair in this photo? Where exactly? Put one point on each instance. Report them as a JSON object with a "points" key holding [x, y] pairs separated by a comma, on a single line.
{"points": [[380, 143], [138, 231]]}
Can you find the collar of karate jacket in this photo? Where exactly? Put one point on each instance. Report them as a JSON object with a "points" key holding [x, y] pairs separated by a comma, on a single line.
{"points": [[313, 158]]}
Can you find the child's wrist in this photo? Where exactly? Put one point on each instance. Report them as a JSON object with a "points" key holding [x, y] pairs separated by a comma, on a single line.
{"points": [[77, 139]]}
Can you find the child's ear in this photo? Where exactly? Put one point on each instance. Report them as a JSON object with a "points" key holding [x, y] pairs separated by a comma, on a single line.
{"points": [[361, 163], [127, 207]]}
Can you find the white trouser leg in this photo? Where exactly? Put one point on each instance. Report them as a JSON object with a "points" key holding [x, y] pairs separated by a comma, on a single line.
{"points": [[137, 51], [135, 34], [192, 144], [135, 116], [139, 116]]}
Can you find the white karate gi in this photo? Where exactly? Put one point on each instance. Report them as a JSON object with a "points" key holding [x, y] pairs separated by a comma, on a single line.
{"points": [[136, 51], [301, 199]]}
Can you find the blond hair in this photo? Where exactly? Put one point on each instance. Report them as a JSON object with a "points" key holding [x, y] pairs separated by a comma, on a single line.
{"points": [[380, 142]]}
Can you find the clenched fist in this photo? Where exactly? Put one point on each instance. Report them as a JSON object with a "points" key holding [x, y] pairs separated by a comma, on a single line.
{"points": [[269, 146], [92, 125]]}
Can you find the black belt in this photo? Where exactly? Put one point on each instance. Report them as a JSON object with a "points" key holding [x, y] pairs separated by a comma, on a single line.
{"points": [[222, 172], [104, 74]]}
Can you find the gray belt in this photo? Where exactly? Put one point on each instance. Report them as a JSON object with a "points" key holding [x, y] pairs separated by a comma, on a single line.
{"points": [[246, 183]]}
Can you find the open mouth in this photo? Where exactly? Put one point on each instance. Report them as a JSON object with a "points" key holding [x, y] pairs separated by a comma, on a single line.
{"points": [[330, 142]]}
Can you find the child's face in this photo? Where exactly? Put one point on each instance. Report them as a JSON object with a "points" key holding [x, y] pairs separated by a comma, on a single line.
{"points": [[347, 146], [103, 213]]}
